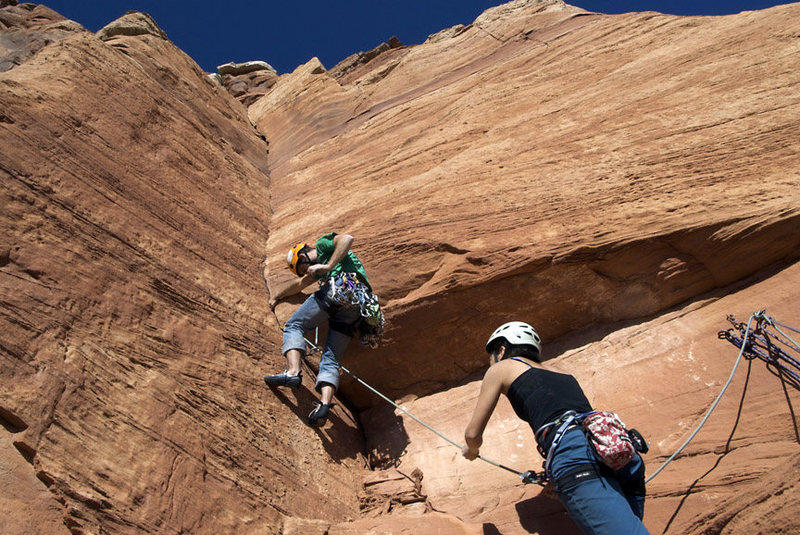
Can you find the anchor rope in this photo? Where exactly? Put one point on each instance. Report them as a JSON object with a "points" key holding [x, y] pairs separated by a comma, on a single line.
{"points": [[522, 475], [527, 477], [764, 346], [710, 410]]}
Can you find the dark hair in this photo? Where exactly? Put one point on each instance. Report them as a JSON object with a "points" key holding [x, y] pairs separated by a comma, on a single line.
{"points": [[516, 350]]}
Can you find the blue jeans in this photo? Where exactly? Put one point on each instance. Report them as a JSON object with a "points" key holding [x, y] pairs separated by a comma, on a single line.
{"points": [[306, 318], [612, 503]]}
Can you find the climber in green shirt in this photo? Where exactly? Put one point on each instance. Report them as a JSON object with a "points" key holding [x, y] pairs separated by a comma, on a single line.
{"points": [[345, 300]]}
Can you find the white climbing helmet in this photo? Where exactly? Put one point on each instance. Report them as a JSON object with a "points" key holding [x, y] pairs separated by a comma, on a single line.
{"points": [[516, 333]]}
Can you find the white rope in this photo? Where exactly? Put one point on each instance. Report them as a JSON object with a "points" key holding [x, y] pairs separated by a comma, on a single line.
{"points": [[713, 405], [783, 325], [403, 409], [796, 347]]}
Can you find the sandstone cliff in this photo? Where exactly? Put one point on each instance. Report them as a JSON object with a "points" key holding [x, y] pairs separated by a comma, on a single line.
{"points": [[135, 211], [621, 182], [623, 165]]}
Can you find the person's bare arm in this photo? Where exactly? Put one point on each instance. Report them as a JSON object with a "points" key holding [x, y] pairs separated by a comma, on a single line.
{"points": [[341, 245], [491, 387], [292, 288]]}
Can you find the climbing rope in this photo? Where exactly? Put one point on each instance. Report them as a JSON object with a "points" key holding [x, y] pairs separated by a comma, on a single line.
{"points": [[710, 410], [765, 346], [529, 476], [753, 343]]}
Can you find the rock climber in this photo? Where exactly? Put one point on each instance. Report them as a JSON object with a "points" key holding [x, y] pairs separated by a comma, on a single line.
{"points": [[344, 299], [600, 500]]}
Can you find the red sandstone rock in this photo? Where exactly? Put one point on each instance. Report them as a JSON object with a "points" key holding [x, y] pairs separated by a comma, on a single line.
{"points": [[606, 178], [135, 330], [247, 81], [349, 67], [25, 29], [25, 501], [564, 167]]}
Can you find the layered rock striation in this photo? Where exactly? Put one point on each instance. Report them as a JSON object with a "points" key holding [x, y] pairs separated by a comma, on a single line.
{"points": [[25, 29], [134, 323], [564, 167], [621, 182], [246, 81]]}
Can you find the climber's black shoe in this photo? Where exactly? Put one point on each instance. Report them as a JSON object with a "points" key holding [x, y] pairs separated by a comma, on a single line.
{"points": [[283, 379], [319, 415]]}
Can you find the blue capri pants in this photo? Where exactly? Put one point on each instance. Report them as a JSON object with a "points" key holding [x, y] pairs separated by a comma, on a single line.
{"points": [[309, 316], [611, 503]]}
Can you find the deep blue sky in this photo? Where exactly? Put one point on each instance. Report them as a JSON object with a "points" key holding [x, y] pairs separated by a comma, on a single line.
{"points": [[286, 34]]}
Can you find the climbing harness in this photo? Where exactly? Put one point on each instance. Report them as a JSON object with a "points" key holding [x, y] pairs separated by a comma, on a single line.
{"points": [[614, 444], [529, 476], [345, 289], [564, 423]]}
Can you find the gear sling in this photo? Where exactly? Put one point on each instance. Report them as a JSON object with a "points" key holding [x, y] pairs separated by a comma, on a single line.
{"points": [[344, 289]]}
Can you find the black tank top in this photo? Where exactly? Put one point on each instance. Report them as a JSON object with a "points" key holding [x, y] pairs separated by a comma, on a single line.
{"points": [[539, 396]]}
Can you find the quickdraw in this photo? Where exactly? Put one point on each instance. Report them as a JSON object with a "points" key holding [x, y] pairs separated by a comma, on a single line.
{"points": [[346, 289], [767, 346]]}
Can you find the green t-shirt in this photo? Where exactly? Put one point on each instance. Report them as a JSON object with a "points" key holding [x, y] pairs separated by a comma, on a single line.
{"points": [[350, 263]]}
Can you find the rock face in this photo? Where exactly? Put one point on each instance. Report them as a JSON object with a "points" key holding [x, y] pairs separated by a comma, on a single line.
{"points": [[621, 182], [355, 61], [134, 322], [247, 81], [27, 28], [622, 165]]}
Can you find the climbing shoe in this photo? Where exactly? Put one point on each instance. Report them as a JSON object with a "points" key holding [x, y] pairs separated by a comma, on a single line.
{"points": [[284, 379], [319, 415]]}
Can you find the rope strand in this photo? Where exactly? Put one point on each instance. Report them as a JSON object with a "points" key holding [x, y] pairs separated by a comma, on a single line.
{"points": [[713, 405], [776, 323], [522, 475]]}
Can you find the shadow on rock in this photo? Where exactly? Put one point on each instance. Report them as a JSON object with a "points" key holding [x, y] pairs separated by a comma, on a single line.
{"points": [[337, 435], [387, 439], [545, 515]]}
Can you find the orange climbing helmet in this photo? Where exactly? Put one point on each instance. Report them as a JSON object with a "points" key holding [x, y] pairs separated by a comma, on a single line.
{"points": [[294, 256]]}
